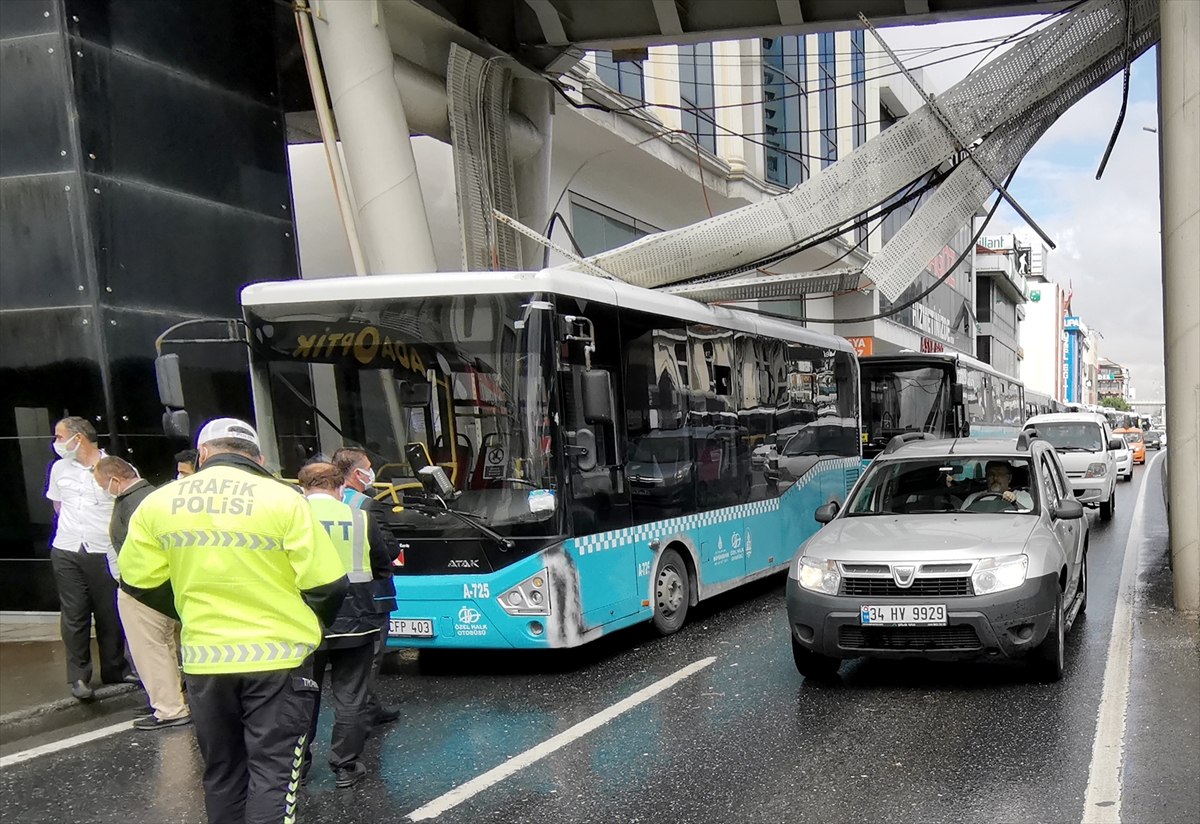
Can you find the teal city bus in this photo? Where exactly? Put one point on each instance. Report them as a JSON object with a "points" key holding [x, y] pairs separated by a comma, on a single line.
{"points": [[947, 395], [559, 456]]}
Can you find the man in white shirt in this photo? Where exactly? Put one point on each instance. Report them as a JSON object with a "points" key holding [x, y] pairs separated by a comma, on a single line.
{"points": [[84, 560]]}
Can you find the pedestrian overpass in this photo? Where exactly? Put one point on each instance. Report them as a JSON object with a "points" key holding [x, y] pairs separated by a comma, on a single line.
{"points": [[393, 67]]}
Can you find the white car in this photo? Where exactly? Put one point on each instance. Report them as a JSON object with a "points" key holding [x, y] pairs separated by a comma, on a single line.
{"points": [[1125, 463], [1088, 450]]}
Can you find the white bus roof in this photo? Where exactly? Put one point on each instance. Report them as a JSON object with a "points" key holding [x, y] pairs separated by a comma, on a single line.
{"points": [[554, 281]]}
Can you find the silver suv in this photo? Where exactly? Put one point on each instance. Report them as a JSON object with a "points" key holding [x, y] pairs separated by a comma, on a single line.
{"points": [[945, 549]]}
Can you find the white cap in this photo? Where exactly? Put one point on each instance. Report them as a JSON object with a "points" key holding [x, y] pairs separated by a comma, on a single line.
{"points": [[219, 428]]}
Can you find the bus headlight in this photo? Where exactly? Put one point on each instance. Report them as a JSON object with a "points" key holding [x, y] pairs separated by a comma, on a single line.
{"points": [[530, 597]]}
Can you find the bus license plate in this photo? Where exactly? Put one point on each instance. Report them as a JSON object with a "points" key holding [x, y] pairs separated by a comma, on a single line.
{"points": [[904, 615], [410, 628]]}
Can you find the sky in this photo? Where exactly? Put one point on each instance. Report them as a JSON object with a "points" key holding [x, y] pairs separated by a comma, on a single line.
{"points": [[1106, 231]]}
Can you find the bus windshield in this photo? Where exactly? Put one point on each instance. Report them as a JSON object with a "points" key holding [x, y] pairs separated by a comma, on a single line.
{"points": [[468, 378], [904, 399]]}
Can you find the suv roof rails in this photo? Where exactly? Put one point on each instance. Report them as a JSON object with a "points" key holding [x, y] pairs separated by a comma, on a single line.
{"points": [[908, 437], [1027, 435]]}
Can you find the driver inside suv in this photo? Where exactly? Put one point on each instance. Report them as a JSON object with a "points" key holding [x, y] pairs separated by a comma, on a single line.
{"points": [[998, 496]]}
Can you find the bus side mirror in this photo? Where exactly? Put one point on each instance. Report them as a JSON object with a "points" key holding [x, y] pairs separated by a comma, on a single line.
{"points": [[170, 381], [956, 394], [177, 425], [596, 388], [582, 447]]}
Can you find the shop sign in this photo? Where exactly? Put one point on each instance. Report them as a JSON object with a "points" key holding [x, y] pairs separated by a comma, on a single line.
{"points": [[931, 347], [863, 346]]}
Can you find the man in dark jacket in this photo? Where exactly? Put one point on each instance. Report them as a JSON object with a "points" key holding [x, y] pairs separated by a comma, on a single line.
{"points": [[349, 645], [150, 634], [355, 466]]}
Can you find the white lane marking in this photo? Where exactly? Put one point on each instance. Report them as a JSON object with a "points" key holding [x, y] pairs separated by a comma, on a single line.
{"points": [[519, 762], [1102, 802], [64, 744]]}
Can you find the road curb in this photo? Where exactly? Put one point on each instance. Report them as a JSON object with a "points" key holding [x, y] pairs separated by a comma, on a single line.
{"points": [[55, 715]]}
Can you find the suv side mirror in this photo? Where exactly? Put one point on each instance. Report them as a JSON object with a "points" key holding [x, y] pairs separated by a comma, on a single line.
{"points": [[1069, 509], [1116, 443], [826, 513]]}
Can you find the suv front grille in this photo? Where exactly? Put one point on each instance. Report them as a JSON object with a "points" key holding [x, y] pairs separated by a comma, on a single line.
{"points": [[961, 637], [921, 587]]}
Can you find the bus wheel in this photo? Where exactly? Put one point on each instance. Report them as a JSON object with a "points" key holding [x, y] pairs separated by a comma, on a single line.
{"points": [[671, 593]]}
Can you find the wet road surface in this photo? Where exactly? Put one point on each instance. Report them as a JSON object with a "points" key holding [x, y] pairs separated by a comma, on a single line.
{"points": [[742, 739]]}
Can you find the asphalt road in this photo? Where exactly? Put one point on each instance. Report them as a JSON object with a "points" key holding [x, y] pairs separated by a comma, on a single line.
{"points": [[742, 738]]}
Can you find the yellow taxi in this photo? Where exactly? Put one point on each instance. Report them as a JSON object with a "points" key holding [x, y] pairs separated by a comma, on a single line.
{"points": [[1137, 445]]}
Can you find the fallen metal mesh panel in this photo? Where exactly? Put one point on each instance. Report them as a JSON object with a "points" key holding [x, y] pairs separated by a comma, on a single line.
{"points": [[959, 196], [1061, 62], [765, 287], [478, 94]]}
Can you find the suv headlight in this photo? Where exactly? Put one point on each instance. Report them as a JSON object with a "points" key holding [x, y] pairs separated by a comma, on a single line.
{"points": [[530, 597], [817, 575], [1096, 470], [998, 574]]}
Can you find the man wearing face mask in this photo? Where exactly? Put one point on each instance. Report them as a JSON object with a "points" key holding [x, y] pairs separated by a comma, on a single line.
{"points": [[84, 560], [151, 635], [355, 466]]}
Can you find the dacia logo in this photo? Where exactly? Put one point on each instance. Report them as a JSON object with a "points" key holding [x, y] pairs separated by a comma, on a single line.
{"points": [[903, 575], [463, 563], [468, 615]]}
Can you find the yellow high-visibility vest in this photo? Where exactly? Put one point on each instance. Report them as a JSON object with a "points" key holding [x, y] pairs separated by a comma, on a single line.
{"points": [[238, 549], [347, 529]]}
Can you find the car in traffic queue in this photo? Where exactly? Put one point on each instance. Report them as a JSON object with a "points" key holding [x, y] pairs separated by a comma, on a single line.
{"points": [[1125, 462], [1137, 445], [1154, 439], [929, 558], [1087, 448]]}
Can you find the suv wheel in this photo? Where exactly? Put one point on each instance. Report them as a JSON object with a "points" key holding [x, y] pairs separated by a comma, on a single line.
{"points": [[1107, 507], [813, 665], [1046, 659]]}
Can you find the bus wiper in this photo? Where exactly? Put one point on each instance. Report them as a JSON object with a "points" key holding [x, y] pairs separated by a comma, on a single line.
{"points": [[472, 521]]}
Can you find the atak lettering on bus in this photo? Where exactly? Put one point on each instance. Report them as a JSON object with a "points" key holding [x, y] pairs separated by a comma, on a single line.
{"points": [[366, 344]]}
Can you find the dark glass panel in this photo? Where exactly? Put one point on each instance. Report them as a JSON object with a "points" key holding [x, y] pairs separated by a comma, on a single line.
{"points": [[41, 266], [152, 126], [33, 107], [158, 250], [22, 18], [226, 44]]}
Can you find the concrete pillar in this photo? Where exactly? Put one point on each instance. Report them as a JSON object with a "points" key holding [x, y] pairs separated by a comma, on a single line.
{"points": [[359, 66], [1179, 147]]}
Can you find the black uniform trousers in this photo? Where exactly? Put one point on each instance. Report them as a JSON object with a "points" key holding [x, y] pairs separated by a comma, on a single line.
{"points": [[87, 588], [252, 729], [349, 677], [374, 706]]}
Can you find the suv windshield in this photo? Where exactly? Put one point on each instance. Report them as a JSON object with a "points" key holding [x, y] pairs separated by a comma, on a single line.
{"points": [[469, 378], [1072, 437], [957, 484]]}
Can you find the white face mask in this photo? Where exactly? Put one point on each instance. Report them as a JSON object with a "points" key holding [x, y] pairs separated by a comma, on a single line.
{"points": [[107, 490], [367, 476], [64, 448]]}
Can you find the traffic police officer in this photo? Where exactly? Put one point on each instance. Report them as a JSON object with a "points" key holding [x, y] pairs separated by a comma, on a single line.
{"points": [[240, 559], [350, 642]]}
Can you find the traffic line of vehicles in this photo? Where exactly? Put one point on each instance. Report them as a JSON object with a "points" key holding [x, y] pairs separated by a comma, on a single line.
{"points": [[560, 457]]}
